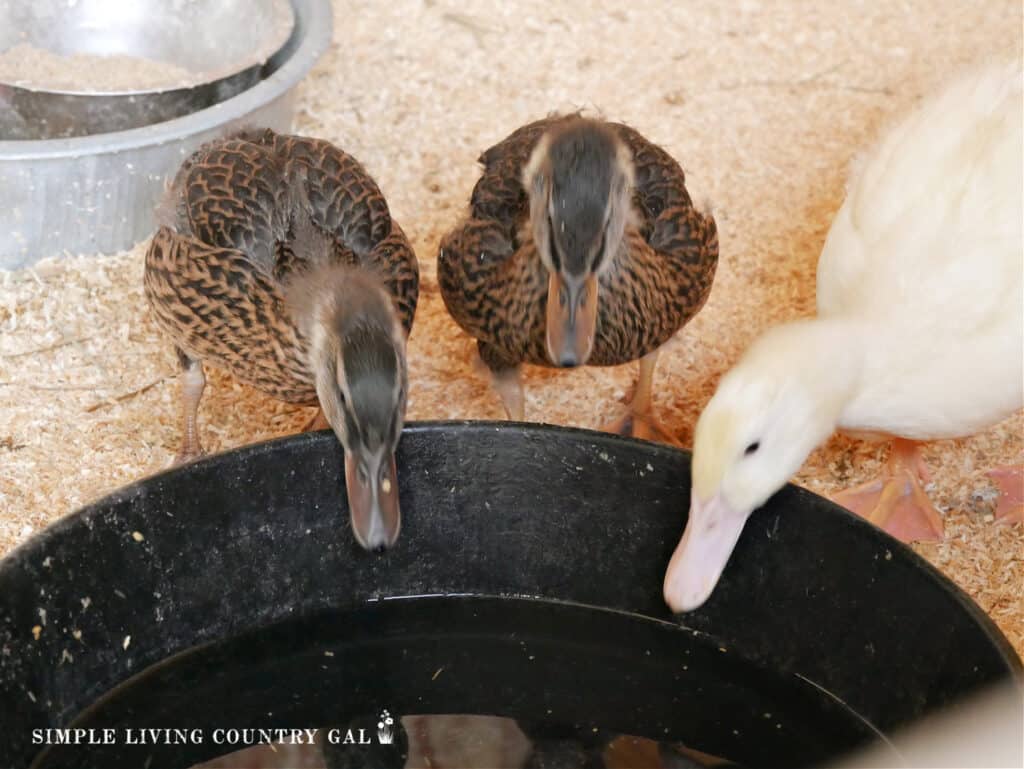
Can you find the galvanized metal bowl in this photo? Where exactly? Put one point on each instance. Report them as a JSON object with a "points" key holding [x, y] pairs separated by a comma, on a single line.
{"points": [[218, 49], [97, 194]]}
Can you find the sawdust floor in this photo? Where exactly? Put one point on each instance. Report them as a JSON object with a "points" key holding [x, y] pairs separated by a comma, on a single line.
{"points": [[764, 103]]}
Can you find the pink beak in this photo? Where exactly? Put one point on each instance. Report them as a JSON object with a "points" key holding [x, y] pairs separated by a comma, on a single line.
{"points": [[710, 536]]}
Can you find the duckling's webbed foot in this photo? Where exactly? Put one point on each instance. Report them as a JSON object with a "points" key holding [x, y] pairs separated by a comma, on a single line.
{"points": [[1010, 482], [896, 501], [640, 421], [507, 380], [644, 427], [193, 382]]}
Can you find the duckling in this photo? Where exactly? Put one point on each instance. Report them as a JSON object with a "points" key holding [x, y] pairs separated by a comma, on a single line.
{"points": [[919, 334], [283, 266], [582, 247]]}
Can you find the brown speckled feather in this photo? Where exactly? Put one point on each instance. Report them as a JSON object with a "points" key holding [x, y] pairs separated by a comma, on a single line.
{"points": [[245, 208], [495, 285], [217, 307]]}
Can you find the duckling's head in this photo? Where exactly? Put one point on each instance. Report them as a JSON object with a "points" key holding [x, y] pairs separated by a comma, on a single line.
{"points": [[580, 182], [357, 354], [767, 415]]}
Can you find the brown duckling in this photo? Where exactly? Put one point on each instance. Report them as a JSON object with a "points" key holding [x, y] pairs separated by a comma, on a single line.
{"points": [[284, 266], [582, 247]]}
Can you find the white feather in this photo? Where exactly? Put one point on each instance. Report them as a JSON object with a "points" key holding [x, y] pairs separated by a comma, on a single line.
{"points": [[926, 252], [920, 328]]}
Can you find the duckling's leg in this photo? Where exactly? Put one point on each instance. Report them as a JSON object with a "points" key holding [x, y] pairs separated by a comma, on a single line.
{"points": [[193, 382], [507, 379], [1010, 481], [509, 385], [639, 421], [896, 501]]}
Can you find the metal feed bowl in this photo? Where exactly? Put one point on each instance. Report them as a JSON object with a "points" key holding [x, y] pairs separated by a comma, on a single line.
{"points": [[96, 194], [222, 45]]}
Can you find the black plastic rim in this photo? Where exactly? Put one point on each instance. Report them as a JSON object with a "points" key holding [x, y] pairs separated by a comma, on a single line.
{"points": [[544, 521]]}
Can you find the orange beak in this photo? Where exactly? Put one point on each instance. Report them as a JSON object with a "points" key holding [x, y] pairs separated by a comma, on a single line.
{"points": [[571, 319], [373, 501]]}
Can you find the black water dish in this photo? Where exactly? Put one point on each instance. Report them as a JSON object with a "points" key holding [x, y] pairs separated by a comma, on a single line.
{"points": [[230, 594]]}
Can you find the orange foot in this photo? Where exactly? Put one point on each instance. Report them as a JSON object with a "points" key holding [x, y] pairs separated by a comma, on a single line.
{"points": [[643, 426], [1010, 481], [895, 501], [639, 421]]}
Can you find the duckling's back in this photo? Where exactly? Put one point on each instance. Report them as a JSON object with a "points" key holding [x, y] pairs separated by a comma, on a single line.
{"points": [[926, 256], [932, 219]]}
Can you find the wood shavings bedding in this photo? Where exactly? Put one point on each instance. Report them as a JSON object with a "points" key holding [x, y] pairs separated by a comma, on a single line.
{"points": [[764, 104]]}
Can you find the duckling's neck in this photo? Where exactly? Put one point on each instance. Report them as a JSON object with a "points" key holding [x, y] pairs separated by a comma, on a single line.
{"points": [[357, 357], [352, 309], [348, 318], [920, 383], [825, 358], [865, 378]]}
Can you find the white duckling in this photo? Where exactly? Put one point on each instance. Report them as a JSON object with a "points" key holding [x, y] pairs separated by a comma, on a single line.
{"points": [[919, 334]]}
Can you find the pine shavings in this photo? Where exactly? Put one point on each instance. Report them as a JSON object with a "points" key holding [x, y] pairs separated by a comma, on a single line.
{"points": [[416, 92]]}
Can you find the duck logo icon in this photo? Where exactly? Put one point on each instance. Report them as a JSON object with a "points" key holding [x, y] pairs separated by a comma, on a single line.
{"points": [[385, 728]]}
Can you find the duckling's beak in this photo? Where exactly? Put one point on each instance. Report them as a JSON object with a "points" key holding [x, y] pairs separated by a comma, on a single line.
{"points": [[372, 484], [571, 319], [711, 534]]}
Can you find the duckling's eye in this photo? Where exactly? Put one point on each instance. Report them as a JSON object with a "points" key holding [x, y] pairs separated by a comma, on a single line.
{"points": [[753, 447]]}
